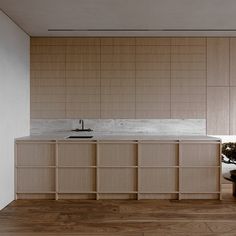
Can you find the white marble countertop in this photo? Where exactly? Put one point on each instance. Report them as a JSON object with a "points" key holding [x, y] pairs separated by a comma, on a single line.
{"points": [[106, 136]]}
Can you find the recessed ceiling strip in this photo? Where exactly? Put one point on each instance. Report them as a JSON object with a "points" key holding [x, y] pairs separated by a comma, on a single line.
{"points": [[144, 30]]}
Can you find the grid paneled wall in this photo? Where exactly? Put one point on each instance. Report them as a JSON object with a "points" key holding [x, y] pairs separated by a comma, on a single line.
{"points": [[118, 78]]}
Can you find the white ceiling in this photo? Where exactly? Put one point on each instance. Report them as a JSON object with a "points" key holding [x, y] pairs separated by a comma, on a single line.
{"points": [[37, 16]]}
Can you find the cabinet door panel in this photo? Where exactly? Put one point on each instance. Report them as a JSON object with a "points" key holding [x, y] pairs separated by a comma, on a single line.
{"points": [[117, 180], [232, 61], [117, 154], [232, 110], [199, 180], [218, 110], [35, 180], [76, 180], [156, 154], [158, 180], [38, 154], [77, 154], [200, 154], [218, 61]]}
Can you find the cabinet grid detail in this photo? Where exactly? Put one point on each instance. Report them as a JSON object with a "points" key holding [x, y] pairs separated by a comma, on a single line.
{"points": [[118, 169]]}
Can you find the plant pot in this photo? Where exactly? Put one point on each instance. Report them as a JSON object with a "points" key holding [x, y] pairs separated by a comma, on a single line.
{"points": [[233, 174]]}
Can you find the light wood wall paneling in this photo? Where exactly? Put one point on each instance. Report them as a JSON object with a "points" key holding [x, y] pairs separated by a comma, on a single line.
{"points": [[48, 41], [232, 61], [188, 78], [232, 111], [129, 77], [218, 110], [83, 78], [47, 78], [218, 61], [117, 78], [152, 78]]}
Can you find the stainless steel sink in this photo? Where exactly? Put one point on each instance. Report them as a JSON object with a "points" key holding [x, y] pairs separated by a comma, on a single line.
{"points": [[79, 136], [82, 130]]}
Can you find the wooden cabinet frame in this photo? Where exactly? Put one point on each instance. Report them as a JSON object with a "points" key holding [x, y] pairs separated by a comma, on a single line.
{"points": [[130, 179]]}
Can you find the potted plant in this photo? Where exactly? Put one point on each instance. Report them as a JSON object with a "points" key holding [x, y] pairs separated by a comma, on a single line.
{"points": [[229, 156]]}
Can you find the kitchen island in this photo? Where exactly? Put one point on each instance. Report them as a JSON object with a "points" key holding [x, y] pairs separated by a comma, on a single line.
{"points": [[118, 166]]}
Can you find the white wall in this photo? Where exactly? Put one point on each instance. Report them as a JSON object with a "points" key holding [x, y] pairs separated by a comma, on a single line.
{"points": [[14, 100]]}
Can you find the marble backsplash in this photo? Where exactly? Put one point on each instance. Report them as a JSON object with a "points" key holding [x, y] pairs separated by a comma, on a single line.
{"points": [[123, 126]]}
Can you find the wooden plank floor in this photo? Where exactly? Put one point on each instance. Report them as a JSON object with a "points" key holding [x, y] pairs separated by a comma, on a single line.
{"points": [[119, 217]]}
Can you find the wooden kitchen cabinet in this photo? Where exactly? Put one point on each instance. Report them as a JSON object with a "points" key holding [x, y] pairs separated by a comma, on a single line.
{"points": [[118, 169], [158, 170], [218, 111], [35, 170], [218, 61], [199, 177]]}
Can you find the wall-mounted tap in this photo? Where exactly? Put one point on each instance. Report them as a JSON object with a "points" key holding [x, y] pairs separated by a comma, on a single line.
{"points": [[82, 127], [82, 122]]}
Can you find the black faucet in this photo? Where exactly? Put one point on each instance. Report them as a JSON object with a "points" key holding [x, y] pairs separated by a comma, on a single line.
{"points": [[82, 127], [82, 122]]}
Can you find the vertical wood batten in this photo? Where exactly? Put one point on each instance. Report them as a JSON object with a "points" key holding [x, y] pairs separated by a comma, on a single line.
{"points": [[220, 174], [97, 171], [56, 171], [138, 169], [180, 170]]}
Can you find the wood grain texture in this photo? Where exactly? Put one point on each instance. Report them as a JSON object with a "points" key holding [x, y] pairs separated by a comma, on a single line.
{"points": [[218, 61], [188, 78], [232, 61], [35, 180], [76, 154], [83, 78], [114, 154], [47, 78], [72, 180], [192, 154], [218, 110], [127, 77], [120, 217], [232, 111], [168, 177], [157, 154], [118, 170], [39, 154], [120, 180], [152, 78], [117, 78], [200, 180]]}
